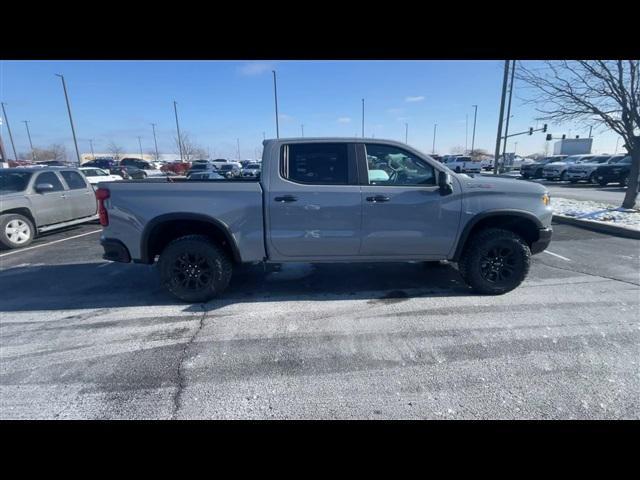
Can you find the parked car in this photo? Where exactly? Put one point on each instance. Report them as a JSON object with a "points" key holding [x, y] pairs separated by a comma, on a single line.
{"points": [[96, 175], [558, 170], [230, 169], [251, 170], [586, 170], [149, 168], [128, 173], [462, 164], [200, 167], [34, 201], [210, 174], [486, 164], [178, 168], [103, 163], [534, 170], [617, 172], [53, 163], [324, 200]]}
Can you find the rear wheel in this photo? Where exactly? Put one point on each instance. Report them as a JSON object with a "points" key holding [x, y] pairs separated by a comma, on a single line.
{"points": [[194, 269], [458, 170], [592, 178], [563, 177], [16, 230], [495, 262]]}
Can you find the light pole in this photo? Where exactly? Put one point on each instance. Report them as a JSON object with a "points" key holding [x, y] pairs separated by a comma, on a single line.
{"points": [[406, 133], [93, 155], [13, 146], [155, 141], [175, 109], [616, 150], [302, 128], [275, 96], [238, 140], [140, 145], [506, 128], [33, 153], [363, 118], [433, 148], [466, 133], [515, 148], [73, 130], [501, 116], [473, 135]]}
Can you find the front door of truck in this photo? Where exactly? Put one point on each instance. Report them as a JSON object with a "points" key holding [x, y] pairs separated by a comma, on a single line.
{"points": [[314, 203], [403, 213]]}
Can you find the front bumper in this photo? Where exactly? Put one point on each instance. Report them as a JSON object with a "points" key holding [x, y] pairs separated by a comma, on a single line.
{"points": [[544, 239], [115, 250]]}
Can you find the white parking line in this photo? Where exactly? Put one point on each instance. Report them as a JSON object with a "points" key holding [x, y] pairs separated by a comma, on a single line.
{"points": [[556, 255], [50, 243]]}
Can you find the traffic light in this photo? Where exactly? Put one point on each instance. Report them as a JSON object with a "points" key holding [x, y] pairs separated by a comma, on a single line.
{"points": [[530, 130], [544, 128], [549, 137]]}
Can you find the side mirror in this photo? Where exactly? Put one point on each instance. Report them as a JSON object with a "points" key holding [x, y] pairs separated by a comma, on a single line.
{"points": [[444, 182], [44, 187]]}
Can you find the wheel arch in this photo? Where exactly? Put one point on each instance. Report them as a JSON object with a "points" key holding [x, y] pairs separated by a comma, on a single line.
{"points": [[161, 230], [523, 223], [25, 212]]}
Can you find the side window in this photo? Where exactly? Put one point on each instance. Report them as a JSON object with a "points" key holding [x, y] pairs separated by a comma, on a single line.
{"points": [[74, 180], [52, 178], [393, 166], [316, 163]]}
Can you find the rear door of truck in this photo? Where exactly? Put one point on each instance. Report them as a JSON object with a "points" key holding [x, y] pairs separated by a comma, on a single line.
{"points": [[313, 201]]}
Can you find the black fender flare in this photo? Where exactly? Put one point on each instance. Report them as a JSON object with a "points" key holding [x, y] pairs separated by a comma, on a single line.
{"points": [[464, 235], [168, 217]]}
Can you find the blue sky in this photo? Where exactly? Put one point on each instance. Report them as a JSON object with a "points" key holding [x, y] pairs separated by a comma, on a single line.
{"points": [[220, 101]]}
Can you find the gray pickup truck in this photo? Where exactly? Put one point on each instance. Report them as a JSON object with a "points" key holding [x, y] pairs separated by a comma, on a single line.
{"points": [[327, 200], [38, 200]]}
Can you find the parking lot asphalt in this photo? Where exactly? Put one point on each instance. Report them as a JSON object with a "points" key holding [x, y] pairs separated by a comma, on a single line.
{"points": [[85, 338]]}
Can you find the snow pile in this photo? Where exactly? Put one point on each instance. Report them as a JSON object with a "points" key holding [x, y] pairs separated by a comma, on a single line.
{"points": [[596, 211]]}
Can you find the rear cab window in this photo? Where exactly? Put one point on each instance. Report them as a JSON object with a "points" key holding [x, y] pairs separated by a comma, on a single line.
{"points": [[318, 163]]}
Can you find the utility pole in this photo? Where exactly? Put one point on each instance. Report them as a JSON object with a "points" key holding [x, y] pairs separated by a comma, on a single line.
{"points": [[466, 133], [590, 130], [140, 145], [175, 109], [363, 118], [13, 146], [155, 141], [275, 96], [473, 136], [502, 100], [93, 155], [73, 130], [506, 128], [406, 133], [33, 153], [515, 148], [433, 148], [616, 150]]}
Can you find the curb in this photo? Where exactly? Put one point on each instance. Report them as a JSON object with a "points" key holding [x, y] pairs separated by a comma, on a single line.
{"points": [[598, 227]]}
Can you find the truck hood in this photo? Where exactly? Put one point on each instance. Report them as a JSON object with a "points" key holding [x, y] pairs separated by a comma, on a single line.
{"points": [[499, 184]]}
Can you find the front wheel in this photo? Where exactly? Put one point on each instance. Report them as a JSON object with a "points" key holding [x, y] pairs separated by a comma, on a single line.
{"points": [[592, 178], [194, 269], [495, 262], [16, 231], [625, 181], [563, 177]]}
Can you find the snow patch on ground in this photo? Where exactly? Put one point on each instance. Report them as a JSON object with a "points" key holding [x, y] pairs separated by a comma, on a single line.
{"points": [[596, 211]]}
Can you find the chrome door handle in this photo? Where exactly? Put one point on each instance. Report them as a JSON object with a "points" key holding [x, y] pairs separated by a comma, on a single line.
{"points": [[286, 199]]}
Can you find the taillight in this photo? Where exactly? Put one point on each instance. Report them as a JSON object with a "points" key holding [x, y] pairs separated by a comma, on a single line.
{"points": [[101, 195]]}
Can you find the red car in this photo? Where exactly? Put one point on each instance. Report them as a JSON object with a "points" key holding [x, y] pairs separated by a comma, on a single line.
{"points": [[179, 168]]}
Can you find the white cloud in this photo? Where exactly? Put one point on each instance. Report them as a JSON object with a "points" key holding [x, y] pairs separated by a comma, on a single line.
{"points": [[418, 98], [344, 120], [255, 68]]}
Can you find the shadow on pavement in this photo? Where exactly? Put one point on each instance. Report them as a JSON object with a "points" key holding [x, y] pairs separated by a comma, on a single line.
{"points": [[113, 285]]}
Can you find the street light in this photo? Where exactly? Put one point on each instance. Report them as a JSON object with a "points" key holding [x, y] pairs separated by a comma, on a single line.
{"points": [[616, 150], [473, 136], [302, 128], [13, 146], [433, 148], [140, 145], [155, 141], [175, 109], [363, 118], [93, 155], [73, 130], [33, 152]]}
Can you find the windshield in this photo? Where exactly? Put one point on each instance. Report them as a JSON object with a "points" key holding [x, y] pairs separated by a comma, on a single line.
{"points": [[11, 182]]}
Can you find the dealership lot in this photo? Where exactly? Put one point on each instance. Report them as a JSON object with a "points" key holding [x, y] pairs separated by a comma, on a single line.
{"points": [[85, 338]]}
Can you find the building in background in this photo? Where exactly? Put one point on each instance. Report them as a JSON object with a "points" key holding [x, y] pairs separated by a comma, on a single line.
{"points": [[573, 146]]}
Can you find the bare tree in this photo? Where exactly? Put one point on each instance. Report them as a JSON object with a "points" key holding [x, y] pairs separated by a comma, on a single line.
{"points": [[190, 149], [55, 151], [478, 153], [457, 149], [596, 93], [114, 149]]}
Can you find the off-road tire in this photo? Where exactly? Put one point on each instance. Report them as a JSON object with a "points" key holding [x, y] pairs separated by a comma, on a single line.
{"points": [[20, 221], [473, 265], [194, 268]]}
